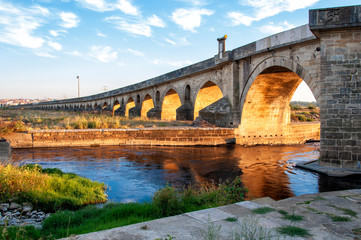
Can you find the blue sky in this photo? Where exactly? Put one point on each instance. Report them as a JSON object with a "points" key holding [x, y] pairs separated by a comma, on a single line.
{"points": [[45, 44]]}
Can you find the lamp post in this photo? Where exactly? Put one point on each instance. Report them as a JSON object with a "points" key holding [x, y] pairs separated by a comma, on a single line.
{"points": [[78, 86]]}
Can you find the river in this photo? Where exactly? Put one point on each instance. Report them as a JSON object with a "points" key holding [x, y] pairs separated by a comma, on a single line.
{"points": [[134, 173]]}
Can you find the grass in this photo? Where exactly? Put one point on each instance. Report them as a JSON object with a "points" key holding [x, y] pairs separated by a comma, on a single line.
{"points": [[231, 219], [291, 217], [167, 201], [262, 210], [293, 231], [335, 218], [18, 120], [345, 211], [48, 189]]}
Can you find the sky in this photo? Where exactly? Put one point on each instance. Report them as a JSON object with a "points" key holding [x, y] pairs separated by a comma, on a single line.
{"points": [[46, 44]]}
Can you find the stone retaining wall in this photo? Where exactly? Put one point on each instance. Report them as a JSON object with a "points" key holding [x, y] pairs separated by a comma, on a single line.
{"points": [[297, 133], [100, 137], [185, 136]]}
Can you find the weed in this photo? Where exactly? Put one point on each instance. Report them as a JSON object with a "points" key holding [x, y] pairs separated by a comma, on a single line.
{"points": [[292, 217], [345, 211], [231, 219], [211, 231], [335, 218], [144, 227], [293, 231], [262, 210], [250, 229], [168, 237]]}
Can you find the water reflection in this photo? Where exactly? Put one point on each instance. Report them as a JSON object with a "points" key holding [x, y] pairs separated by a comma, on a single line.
{"points": [[134, 173]]}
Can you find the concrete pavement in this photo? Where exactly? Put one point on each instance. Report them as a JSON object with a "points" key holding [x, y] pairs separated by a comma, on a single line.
{"points": [[330, 215]]}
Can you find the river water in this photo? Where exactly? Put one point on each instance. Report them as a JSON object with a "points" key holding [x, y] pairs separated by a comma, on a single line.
{"points": [[134, 173]]}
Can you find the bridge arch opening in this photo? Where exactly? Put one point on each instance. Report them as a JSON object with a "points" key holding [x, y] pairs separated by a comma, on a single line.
{"points": [[105, 105], [130, 104], [116, 106], [187, 93], [207, 94], [147, 104], [170, 104], [266, 112]]}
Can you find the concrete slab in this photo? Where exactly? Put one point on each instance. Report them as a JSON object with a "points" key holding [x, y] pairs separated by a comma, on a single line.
{"points": [[330, 171], [210, 215], [249, 205], [316, 210]]}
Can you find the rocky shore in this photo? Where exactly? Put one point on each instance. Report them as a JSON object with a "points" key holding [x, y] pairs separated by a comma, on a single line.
{"points": [[15, 214]]}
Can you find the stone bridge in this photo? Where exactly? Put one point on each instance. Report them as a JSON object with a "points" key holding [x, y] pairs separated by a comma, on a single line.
{"points": [[250, 87]]}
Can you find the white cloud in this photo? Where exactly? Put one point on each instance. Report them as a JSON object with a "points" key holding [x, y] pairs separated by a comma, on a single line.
{"points": [[18, 25], [70, 20], [135, 52], [267, 8], [101, 34], [196, 2], [44, 54], [74, 53], [189, 19], [125, 6], [103, 54], [56, 33], [271, 28], [238, 18], [154, 20], [55, 45], [137, 27], [176, 40], [170, 41]]}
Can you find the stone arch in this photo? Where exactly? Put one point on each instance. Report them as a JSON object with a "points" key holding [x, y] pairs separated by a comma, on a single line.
{"points": [[147, 104], [116, 105], [171, 101], [266, 96], [130, 104], [207, 94], [105, 105]]}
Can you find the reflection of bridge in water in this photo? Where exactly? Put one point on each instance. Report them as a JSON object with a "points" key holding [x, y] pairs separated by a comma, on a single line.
{"points": [[250, 88], [137, 171]]}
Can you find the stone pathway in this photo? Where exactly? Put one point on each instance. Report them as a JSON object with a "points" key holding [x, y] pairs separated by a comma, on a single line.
{"points": [[329, 215]]}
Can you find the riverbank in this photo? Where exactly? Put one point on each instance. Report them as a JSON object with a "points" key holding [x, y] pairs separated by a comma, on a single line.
{"points": [[327, 215]]}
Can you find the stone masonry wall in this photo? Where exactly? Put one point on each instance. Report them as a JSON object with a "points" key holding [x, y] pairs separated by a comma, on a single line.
{"points": [[99, 137], [292, 134], [341, 98]]}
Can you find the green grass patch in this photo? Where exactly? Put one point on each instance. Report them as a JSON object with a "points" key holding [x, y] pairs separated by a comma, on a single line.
{"points": [[345, 211], [231, 219], [262, 210], [167, 201], [293, 231], [335, 218], [291, 217], [48, 189]]}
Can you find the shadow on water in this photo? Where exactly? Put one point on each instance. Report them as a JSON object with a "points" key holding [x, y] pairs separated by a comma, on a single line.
{"points": [[134, 173]]}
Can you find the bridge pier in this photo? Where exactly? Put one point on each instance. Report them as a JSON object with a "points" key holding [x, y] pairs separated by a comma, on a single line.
{"points": [[339, 31], [185, 112]]}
